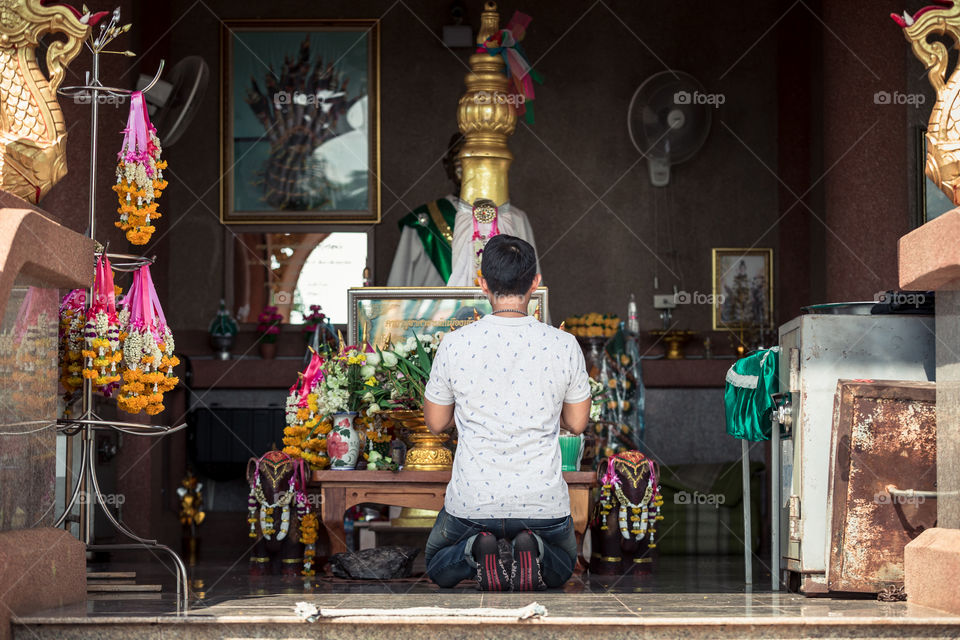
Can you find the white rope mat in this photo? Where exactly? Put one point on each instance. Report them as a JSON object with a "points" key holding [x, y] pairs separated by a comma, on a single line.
{"points": [[312, 613]]}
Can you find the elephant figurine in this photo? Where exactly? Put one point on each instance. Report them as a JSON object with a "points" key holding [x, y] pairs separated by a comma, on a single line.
{"points": [[275, 507], [623, 529]]}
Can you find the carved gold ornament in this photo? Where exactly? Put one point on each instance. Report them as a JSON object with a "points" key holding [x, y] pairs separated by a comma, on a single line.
{"points": [[486, 119], [32, 127], [943, 129]]}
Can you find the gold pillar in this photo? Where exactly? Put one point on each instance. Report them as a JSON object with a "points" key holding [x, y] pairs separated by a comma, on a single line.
{"points": [[486, 119]]}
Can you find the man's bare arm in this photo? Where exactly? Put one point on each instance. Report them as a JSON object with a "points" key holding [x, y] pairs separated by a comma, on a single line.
{"points": [[439, 417], [574, 417]]}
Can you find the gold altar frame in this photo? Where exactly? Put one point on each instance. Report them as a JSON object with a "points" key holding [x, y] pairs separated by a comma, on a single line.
{"points": [[717, 301], [412, 302], [296, 28]]}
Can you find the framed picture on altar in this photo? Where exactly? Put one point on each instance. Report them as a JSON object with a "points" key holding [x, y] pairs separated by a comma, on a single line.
{"points": [[300, 122], [379, 315], [742, 289]]}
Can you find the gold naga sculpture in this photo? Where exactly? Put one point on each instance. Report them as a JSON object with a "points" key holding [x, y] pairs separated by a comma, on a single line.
{"points": [[943, 129], [486, 119], [32, 128]]}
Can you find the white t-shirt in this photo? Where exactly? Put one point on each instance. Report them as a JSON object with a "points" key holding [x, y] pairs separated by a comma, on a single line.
{"points": [[509, 378]]}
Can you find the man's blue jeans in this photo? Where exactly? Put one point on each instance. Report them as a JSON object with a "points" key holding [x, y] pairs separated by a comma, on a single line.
{"points": [[449, 553]]}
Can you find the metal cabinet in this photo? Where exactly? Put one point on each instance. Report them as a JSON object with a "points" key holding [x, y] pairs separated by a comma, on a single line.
{"points": [[816, 351], [883, 471]]}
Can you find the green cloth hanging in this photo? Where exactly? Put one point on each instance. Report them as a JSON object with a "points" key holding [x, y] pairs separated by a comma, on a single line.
{"points": [[433, 223], [746, 398]]}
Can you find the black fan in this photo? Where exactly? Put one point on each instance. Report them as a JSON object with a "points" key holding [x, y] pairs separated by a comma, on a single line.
{"points": [[172, 102]]}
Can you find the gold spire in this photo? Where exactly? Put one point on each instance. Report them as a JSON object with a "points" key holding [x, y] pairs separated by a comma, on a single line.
{"points": [[486, 119]]}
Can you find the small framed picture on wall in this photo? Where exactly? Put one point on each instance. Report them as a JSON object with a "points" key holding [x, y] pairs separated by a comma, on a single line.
{"points": [[742, 288]]}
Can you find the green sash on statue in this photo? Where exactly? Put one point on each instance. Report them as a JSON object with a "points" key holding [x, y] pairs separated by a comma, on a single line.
{"points": [[434, 224]]}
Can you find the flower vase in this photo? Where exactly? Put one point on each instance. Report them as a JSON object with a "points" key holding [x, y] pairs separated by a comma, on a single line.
{"points": [[268, 350], [343, 442]]}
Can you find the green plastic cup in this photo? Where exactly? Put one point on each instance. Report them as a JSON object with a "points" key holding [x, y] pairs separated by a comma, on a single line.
{"points": [[571, 448]]}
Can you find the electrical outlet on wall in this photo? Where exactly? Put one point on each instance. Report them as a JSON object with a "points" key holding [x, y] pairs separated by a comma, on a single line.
{"points": [[664, 301]]}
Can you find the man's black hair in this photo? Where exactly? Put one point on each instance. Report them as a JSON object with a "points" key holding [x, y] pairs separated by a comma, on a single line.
{"points": [[509, 265]]}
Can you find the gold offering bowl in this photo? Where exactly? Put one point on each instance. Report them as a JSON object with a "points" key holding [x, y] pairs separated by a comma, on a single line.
{"points": [[427, 452], [674, 339]]}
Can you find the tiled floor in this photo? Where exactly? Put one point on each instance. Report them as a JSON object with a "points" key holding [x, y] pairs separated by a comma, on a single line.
{"points": [[690, 597]]}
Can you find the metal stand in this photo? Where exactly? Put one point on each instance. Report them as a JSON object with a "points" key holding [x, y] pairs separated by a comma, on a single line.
{"points": [[747, 524], [88, 423], [89, 488]]}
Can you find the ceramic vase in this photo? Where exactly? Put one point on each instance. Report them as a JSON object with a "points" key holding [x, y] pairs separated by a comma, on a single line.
{"points": [[268, 350], [343, 442]]}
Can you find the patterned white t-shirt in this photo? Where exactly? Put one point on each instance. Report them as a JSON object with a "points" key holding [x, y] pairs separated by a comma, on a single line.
{"points": [[509, 378]]}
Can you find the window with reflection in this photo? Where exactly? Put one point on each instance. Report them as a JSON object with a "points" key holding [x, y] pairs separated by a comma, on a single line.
{"points": [[293, 271]]}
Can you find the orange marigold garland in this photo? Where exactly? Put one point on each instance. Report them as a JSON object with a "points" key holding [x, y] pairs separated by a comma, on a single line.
{"points": [[304, 436], [139, 174], [148, 349], [101, 351]]}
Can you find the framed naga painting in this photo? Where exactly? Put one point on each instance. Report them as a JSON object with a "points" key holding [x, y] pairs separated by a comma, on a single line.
{"points": [[300, 122]]}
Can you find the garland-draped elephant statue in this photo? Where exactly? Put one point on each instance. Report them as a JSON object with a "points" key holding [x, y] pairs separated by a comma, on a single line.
{"points": [[623, 529], [276, 507]]}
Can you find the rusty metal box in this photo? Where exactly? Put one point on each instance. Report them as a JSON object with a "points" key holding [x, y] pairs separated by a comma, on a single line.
{"points": [[883, 444]]}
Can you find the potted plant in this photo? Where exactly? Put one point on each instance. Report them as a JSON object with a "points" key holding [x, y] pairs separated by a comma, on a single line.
{"points": [[223, 332], [317, 329], [268, 330]]}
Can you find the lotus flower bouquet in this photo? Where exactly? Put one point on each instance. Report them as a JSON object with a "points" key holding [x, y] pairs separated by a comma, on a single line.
{"points": [[397, 376]]}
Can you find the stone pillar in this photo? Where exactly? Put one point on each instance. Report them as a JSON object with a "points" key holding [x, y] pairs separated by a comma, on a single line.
{"points": [[930, 260]]}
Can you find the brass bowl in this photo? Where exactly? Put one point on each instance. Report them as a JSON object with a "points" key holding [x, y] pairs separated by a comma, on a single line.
{"points": [[427, 452]]}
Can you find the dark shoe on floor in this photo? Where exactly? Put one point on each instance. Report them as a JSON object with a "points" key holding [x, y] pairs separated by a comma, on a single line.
{"points": [[491, 574], [526, 574]]}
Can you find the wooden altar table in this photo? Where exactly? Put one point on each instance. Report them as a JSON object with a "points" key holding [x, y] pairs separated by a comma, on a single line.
{"points": [[340, 490]]}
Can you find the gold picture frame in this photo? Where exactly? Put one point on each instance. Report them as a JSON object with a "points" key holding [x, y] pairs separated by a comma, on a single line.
{"points": [[388, 314], [309, 155], [742, 288]]}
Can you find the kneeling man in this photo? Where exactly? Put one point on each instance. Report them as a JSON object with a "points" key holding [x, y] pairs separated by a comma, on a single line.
{"points": [[509, 383]]}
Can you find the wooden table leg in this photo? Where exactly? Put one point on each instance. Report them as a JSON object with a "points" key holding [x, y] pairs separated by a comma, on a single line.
{"points": [[332, 508], [580, 513]]}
